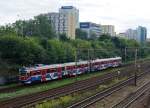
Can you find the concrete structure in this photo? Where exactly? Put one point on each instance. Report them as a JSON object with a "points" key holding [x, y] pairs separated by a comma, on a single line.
{"points": [[59, 22], [131, 34], [72, 13], [108, 29], [72, 20], [148, 39], [66, 21], [141, 34], [93, 30], [123, 35]]}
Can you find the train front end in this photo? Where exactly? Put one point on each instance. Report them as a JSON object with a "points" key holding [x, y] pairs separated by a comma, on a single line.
{"points": [[23, 76]]}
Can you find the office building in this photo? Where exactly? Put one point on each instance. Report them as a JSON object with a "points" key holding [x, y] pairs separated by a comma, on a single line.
{"points": [[141, 34], [93, 30]]}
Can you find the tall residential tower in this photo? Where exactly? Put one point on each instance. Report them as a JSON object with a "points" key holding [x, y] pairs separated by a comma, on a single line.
{"points": [[66, 21], [141, 34], [108, 29]]}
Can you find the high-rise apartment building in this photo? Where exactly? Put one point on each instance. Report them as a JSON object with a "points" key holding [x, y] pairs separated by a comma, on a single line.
{"points": [[66, 21], [122, 35], [108, 29], [131, 34], [141, 34], [93, 30], [58, 22], [73, 14]]}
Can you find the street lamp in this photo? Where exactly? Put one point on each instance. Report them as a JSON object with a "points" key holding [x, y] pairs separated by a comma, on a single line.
{"points": [[135, 73]]}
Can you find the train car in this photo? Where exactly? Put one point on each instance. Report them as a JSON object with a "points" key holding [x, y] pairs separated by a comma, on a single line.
{"points": [[42, 73]]}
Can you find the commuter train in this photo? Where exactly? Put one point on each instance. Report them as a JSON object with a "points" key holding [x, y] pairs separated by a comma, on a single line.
{"points": [[42, 73]]}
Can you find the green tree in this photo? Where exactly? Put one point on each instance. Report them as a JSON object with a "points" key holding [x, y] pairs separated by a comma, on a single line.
{"points": [[39, 26], [21, 51], [80, 34], [63, 37], [104, 37], [7, 30]]}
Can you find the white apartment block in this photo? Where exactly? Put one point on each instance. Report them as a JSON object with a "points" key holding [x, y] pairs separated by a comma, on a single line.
{"points": [[131, 34], [59, 22], [108, 29], [66, 21]]}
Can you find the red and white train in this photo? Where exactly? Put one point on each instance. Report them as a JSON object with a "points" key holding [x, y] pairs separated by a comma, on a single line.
{"points": [[42, 73]]}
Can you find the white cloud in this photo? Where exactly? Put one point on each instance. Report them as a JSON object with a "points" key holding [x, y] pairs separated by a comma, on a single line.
{"points": [[121, 13]]}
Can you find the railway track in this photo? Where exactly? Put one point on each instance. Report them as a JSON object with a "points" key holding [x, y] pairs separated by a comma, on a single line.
{"points": [[125, 103], [101, 95], [61, 91]]}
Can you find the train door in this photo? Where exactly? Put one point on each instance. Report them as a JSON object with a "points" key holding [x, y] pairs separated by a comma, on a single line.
{"points": [[43, 78], [59, 70]]}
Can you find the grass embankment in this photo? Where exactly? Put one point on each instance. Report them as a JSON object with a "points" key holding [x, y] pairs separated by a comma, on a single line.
{"points": [[8, 85], [53, 84], [64, 101]]}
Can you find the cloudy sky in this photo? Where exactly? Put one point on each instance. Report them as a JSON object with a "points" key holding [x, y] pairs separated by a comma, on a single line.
{"points": [[123, 14]]}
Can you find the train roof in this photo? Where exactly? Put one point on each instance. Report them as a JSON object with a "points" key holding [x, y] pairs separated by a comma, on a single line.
{"points": [[36, 68], [107, 59]]}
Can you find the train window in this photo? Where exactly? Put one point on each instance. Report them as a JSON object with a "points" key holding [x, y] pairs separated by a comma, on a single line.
{"points": [[99, 63], [73, 67], [69, 67], [23, 74], [34, 73], [22, 70], [55, 74], [31, 73], [28, 74], [48, 70], [53, 70], [38, 72], [63, 68], [45, 71]]}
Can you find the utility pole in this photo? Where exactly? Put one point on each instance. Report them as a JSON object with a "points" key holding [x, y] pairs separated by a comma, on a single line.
{"points": [[135, 65], [76, 60], [125, 54], [89, 59], [94, 54]]}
